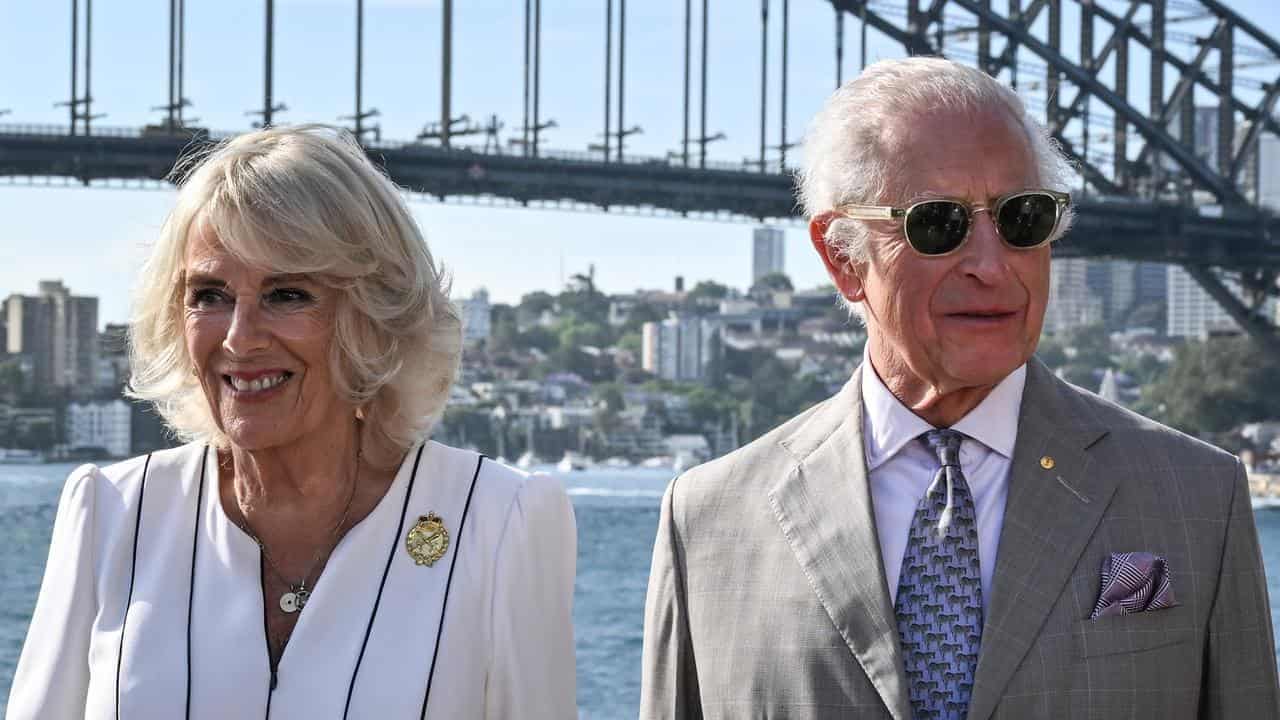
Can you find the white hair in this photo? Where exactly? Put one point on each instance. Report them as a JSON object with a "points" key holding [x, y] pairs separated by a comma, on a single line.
{"points": [[848, 153], [307, 200]]}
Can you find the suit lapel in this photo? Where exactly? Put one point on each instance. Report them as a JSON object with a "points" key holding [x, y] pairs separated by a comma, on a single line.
{"points": [[824, 509], [1050, 516]]}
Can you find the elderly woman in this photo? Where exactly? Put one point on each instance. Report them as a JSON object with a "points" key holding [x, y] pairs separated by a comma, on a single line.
{"points": [[308, 554]]}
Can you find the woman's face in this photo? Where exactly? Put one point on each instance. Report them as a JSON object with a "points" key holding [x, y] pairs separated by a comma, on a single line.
{"points": [[259, 344]]}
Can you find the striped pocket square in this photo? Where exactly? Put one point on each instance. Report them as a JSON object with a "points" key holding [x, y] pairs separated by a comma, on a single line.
{"points": [[1133, 582]]}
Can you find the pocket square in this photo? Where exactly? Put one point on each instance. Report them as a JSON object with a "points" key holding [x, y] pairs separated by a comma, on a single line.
{"points": [[1133, 582]]}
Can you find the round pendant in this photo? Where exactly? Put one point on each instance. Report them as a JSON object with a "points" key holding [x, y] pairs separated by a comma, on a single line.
{"points": [[289, 602], [428, 540]]}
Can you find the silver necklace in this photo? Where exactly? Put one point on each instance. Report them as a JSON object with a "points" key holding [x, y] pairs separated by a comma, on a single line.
{"points": [[296, 597]]}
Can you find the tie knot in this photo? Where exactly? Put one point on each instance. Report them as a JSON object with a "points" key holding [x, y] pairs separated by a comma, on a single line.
{"points": [[946, 443]]}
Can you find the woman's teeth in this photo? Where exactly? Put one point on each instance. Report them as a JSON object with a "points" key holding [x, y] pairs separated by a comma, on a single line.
{"points": [[257, 384]]}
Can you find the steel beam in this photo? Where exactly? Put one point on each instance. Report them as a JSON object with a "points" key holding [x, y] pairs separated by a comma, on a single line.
{"points": [[1258, 328], [1192, 72], [1196, 168], [1129, 229]]}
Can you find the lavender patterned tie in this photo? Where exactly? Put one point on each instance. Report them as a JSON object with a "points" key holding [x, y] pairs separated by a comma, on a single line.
{"points": [[939, 602]]}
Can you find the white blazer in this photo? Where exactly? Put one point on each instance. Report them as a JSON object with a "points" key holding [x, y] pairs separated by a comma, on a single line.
{"points": [[152, 606]]}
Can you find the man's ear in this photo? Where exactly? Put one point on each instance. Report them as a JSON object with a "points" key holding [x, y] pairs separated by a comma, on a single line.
{"points": [[842, 271]]}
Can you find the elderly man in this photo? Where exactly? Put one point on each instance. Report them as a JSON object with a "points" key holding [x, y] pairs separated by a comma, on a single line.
{"points": [[957, 533]]}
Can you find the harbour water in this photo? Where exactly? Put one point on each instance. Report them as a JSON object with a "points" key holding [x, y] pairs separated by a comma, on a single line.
{"points": [[617, 513]]}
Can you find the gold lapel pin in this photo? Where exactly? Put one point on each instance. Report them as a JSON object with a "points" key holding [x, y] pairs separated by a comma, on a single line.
{"points": [[428, 540], [1047, 462]]}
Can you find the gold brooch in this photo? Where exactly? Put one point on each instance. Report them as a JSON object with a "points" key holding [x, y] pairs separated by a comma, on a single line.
{"points": [[428, 540]]}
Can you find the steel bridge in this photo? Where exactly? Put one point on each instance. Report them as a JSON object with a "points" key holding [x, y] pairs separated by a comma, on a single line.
{"points": [[1165, 178]]}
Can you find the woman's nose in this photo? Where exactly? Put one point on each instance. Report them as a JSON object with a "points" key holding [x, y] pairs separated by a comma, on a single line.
{"points": [[247, 332]]}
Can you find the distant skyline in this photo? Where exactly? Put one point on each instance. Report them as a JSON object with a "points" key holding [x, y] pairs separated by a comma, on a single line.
{"points": [[94, 239]]}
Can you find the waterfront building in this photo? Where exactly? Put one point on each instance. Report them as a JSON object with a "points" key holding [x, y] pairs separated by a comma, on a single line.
{"points": [[1071, 304], [1193, 313], [475, 311], [768, 245], [112, 368], [106, 425], [680, 348], [1267, 172], [58, 332], [1114, 283]]}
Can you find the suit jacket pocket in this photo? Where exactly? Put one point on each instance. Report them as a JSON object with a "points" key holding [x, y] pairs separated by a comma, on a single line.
{"points": [[1134, 633]]}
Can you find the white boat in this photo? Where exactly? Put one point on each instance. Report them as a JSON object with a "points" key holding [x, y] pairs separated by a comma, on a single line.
{"points": [[682, 462], [528, 460], [1264, 502], [571, 461], [16, 456], [616, 463], [660, 462]]}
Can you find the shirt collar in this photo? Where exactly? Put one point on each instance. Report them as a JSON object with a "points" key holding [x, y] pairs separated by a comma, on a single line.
{"points": [[888, 425]]}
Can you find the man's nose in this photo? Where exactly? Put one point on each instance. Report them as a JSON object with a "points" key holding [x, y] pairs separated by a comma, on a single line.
{"points": [[985, 255], [247, 332]]}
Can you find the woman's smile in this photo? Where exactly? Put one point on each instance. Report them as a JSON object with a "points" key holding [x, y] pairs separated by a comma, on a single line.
{"points": [[253, 387]]}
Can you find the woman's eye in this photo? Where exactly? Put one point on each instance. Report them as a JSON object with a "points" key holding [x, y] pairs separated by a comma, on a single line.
{"points": [[289, 296], [205, 297]]}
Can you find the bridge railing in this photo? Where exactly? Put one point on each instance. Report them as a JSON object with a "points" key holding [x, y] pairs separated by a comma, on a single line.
{"points": [[54, 130]]}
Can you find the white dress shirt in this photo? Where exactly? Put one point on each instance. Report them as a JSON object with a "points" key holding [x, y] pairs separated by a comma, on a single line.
{"points": [[152, 603], [901, 467]]}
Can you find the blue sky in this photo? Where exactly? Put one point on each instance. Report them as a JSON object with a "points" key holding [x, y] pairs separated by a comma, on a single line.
{"points": [[94, 239]]}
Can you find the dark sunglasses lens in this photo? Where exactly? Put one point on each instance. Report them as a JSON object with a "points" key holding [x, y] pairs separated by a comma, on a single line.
{"points": [[937, 226], [1028, 220]]}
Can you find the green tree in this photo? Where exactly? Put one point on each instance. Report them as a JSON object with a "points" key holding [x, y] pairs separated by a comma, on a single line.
{"points": [[640, 314], [631, 342], [504, 332], [773, 282], [1051, 352], [583, 302], [1092, 346], [708, 290], [705, 297], [609, 397], [539, 337], [469, 427], [1078, 353], [1215, 386], [574, 333], [533, 304], [709, 407]]}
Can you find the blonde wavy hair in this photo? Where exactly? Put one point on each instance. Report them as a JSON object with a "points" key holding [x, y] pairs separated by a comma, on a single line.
{"points": [[307, 200]]}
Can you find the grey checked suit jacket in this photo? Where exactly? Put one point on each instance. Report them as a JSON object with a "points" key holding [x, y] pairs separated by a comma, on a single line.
{"points": [[768, 599]]}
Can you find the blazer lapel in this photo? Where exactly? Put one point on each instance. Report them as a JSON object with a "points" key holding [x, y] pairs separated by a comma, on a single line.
{"points": [[1049, 518], [824, 509]]}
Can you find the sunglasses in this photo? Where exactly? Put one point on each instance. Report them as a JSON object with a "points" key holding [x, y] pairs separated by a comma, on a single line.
{"points": [[1024, 219]]}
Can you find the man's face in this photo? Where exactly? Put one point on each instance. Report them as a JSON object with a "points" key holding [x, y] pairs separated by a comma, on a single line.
{"points": [[967, 319]]}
